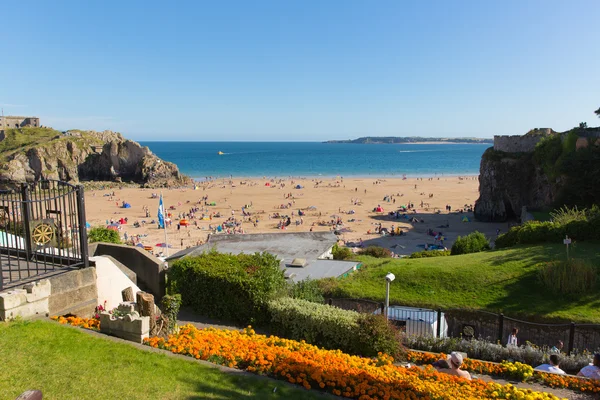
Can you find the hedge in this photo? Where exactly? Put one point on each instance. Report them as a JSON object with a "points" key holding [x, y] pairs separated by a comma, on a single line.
{"points": [[333, 328], [430, 253], [232, 287]]}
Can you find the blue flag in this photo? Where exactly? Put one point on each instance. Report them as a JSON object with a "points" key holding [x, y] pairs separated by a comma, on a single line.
{"points": [[161, 214]]}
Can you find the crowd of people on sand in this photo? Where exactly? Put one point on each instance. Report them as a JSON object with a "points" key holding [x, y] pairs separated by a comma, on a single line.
{"points": [[453, 363]]}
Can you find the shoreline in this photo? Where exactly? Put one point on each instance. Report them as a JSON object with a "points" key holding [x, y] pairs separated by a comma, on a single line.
{"points": [[348, 177]]}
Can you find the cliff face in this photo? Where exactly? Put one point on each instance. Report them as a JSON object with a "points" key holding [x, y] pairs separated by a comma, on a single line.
{"points": [[507, 182], [31, 155]]}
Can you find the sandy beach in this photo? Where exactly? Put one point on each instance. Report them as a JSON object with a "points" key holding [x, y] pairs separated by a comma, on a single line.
{"points": [[324, 202]]}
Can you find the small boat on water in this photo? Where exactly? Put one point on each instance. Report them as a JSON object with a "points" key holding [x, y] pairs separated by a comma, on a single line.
{"points": [[220, 153]]}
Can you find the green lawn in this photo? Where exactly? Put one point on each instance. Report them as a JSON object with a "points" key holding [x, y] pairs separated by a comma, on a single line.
{"points": [[66, 363], [502, 280]]}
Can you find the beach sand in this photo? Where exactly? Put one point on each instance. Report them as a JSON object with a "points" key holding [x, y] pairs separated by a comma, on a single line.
{"points": [[331, 197]]}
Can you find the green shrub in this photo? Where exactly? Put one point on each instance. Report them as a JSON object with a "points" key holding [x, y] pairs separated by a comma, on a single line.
{"points": [[567, 277], [233, 287], [307, 289], [341, 253], [474, 242], [577, 224], [332, 328], [430, 253], [170, 305], [375, 334], [376, 251], [100, 234]]}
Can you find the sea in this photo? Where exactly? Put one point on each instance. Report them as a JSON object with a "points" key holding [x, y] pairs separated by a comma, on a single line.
{"points": [[313, 159]]}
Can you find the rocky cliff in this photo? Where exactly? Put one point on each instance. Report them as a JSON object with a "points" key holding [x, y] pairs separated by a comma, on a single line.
{"points": [[31, 154], [509, 181]]}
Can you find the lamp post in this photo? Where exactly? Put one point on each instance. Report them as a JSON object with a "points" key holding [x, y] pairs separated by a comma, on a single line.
{"points": [[389, 278]]}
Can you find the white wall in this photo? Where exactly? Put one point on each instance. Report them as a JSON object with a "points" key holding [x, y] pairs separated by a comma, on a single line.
{"points": [[111, 281]]}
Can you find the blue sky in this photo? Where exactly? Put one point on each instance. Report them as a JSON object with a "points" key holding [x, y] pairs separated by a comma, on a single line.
{"points": [[302, 70]]}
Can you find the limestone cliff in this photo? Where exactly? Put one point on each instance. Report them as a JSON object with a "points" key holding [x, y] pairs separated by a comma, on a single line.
{"points": [[31, 154], [509, 181]]}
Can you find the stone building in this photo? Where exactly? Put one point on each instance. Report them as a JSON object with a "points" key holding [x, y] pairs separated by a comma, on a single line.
{"points": [[18, 122]]}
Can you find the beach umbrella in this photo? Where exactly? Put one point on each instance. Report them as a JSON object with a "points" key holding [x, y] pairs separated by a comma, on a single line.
{"points": [[87, 225]]}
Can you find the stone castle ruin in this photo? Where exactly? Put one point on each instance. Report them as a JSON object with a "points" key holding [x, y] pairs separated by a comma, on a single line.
{"points": [[18, 122]]}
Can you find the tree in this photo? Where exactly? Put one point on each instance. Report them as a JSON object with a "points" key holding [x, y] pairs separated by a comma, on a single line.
{"points": [[583, 125], [597, 112]]}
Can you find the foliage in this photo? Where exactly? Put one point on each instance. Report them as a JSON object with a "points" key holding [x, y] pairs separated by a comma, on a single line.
{"points": [[500, 280], [375, 335], [170, 305], [376, 251], [597, 112], [307, 289], [29, 348], [332, 328], [100, 234], [329, 370], [341, 253], [487, 351], [568, 277], [546, 152], [564, 215], [233, 287], [430, 253], [578, 224], [474, 242]]}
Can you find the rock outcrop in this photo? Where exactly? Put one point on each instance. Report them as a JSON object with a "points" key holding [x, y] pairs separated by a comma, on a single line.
{"points": [[509, 181], [86, 155]]}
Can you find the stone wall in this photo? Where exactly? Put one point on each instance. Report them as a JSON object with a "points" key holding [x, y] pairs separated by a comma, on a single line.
{"points": [[18, 122], [72, 291], [516, 143]]}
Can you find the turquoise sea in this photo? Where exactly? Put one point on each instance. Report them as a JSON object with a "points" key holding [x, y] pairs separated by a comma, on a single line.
{"points": [[308, 159]]}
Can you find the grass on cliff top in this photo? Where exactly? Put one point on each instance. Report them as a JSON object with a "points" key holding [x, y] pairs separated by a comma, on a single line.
{"points": [[66, 363], [22, 139], [501, 280]]}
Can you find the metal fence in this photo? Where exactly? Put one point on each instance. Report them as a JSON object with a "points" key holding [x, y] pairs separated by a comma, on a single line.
{"points": [[42, 228], [475, 324]]}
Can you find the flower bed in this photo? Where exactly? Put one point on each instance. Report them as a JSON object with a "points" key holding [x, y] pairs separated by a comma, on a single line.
{"points": [[88, 323], [513, 370], [329, 370]]}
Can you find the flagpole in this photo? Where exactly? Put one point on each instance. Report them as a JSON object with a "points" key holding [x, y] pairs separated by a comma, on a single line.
{"points": [[165, 229]]}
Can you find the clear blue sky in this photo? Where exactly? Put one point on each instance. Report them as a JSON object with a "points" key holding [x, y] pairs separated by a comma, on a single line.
{"points": [[302, 70]]}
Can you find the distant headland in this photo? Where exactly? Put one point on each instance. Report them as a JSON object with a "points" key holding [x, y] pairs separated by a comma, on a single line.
{"points": [[411, 140]]}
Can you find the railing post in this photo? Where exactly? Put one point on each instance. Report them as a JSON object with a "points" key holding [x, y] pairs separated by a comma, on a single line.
{"points": [[26, 212], [82, 227], [571, 338], [439, 323], [500, 327]]}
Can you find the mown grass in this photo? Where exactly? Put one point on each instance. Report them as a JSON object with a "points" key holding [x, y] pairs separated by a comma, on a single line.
{"points": [[502, 280], [66, 363]]}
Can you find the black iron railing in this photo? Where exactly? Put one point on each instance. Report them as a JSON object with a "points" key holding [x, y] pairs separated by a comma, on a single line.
{"points": [[478, 324], [42, 228]]}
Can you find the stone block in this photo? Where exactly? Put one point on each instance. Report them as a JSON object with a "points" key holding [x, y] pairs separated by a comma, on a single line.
{"points": [[26, 310], [130, 327], [12, 298], [72, 298], [38, 290]]}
